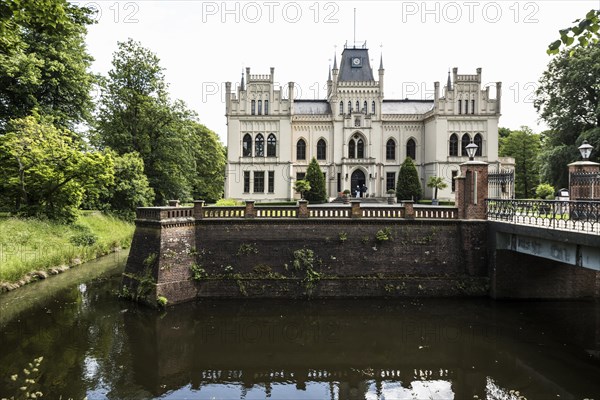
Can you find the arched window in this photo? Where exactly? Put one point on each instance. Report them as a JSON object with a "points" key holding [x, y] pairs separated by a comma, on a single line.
{"points": [[478, 140], [466, 139], [411, 149], [259, 107], [351, 149], [341, 107], [321, 150], [253, 107], [390, 150], [460, 106], [301, 150], [357, 106], [360, 149], [349, 107], [259, 146], [365, 108], [466, 106], [247, 146], [271, 146], [453, 145], [373, 108], [266, 107]]}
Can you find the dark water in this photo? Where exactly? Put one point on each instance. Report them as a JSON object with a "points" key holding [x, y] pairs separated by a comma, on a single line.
{"points": [[98, 346]]}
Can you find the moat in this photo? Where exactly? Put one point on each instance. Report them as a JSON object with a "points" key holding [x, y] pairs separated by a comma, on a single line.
{"points": [[97, 345]]}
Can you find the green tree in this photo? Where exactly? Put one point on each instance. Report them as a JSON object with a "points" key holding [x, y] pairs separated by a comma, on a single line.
{"points": [[544, 191], [524, 146], [586, 31], [567, 100], [43, 61], [208, 178], [409, 185], [302, 186], [317, 192], [436, 182], [46, 170], [503, 133]]}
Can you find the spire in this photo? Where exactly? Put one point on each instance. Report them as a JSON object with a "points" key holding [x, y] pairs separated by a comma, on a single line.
{"points": [[381, 62], [329, 77], [335, 61], [242, 84], [449, 84]]}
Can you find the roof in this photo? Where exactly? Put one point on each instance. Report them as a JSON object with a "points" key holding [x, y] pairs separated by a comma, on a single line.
{"points": [[359, 72], [406, 106], [312, 107]]}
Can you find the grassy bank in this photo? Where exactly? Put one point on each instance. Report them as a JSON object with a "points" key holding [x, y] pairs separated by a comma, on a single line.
{"points": [[28, 245]]}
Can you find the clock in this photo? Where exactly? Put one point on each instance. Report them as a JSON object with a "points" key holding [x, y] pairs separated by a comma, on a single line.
{"points": [[356, 62]]}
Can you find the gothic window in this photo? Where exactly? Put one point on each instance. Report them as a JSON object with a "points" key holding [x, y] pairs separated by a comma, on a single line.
{"points": [[357, 122], [365, 107], [351, 149], [301, 150], [373, 108], [478, 140], [247, 146], [259, 107], [411, 149], [253, 107], [472, 106], [266, 107], [349, 107], [357, 106], [460, 106], [321, 150], [390, 180], [341, 107], [259, 181], [466, 106], [271, 146], [259, 146], [360, 149], [466, 139], [271, 181], [390, 150], [246, 181], [453, 145]]}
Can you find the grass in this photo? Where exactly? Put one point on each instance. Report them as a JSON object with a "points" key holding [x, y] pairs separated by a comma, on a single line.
{"points": [[28, 245]]}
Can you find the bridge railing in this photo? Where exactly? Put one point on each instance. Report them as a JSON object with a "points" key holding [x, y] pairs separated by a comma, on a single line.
{"points": [[582, 216]]}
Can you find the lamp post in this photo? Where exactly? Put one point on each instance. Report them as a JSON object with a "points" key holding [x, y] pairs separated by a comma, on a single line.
{"points": [[582, 175], [471, 150], [585, 149]]}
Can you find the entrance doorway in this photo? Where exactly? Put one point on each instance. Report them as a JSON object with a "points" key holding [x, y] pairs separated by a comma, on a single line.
{"points": [[358, 179]]}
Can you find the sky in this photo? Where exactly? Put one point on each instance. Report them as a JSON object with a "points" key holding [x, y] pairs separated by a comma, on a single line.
{"points": [[203, 44]]}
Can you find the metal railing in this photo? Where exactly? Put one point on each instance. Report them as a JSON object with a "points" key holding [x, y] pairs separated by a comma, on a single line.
{"points": [[580, 216]]}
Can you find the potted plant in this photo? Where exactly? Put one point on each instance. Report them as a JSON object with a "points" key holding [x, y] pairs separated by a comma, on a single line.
{"points": [[346, 196], [391, 196], [302, 186], [436, 182]]}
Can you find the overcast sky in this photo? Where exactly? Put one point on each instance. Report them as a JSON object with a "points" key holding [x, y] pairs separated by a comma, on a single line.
{"points": [[203, 44]]}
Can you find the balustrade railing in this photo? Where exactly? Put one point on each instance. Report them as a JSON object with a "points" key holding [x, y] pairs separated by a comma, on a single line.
{"points": [[582, 216]]}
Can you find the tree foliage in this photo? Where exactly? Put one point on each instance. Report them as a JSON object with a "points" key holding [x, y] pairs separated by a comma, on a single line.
{"points": [[586, 31], [44, 62], [409, 185], [524, 146], [302, 186], [47, 170], [317, 192], [436, 182], [568, 100]]}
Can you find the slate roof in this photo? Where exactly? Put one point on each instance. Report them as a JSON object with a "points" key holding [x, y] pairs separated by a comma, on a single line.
{"points": [[312, 107], [406, 106], [360, 74]]}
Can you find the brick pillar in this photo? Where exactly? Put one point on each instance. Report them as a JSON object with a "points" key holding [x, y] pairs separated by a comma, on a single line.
{"points": [[472, 190], [302, 209], [586, 191], [198, 209], [409, 210], [355, 209], [250, 211]]}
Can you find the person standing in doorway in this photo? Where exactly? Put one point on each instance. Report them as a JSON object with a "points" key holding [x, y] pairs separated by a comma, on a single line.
{"points": [[357, 191], [363, 190]]}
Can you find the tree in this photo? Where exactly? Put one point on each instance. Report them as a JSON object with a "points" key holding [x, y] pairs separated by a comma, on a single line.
{"points": [[409, 185], [317, 192], [544, 191], [503, 133], [524, 145], [586, 31], [208, 179], [436, 182], [302, 186], [46, 170], [43, 62], [567, 100]]}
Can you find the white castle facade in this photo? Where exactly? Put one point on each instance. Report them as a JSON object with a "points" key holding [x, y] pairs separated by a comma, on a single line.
{"points": [[357, 136]]}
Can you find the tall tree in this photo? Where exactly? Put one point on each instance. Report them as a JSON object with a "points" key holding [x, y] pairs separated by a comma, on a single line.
{"points": [[317, 192], [44, 62], [409, 185], [568, 100], [524, 146]]}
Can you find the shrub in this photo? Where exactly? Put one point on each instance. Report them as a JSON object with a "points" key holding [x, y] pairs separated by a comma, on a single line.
{"points": [[409, 185], [545, 191]]}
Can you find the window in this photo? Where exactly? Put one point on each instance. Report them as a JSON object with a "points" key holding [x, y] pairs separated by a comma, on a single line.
{"points": [[300, 176], [373, 108], [390, 180], [259, 146], [478, 140], [454, 175], [271, 146], [349, 107], [266, 107], [453, 145], [247, 146], [341, 107], [321, 150], [357, 106], [253, 107], [357, 122], [472, 106], [466, 106], [460, 106], [411, 149], [246, 181], [360, 149], [271, 181], [351, 149], [365, 108], [301, 150], [259, 107], [390, 150], [259, 181], [466, 139]]}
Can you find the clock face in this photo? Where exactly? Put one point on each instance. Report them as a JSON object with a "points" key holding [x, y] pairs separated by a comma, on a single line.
{"points": [[356, 62]]}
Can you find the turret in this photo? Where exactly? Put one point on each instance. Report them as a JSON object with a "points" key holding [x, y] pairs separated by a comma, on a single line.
{"points": [[291, 96], [381, 71], [498, 96]]}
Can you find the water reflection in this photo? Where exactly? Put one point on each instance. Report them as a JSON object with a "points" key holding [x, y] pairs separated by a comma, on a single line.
{"points": [[97, 346]]}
